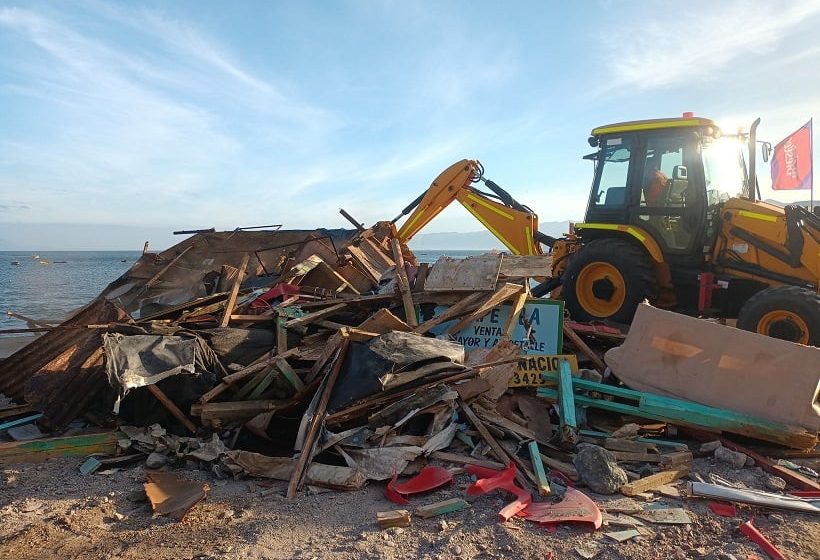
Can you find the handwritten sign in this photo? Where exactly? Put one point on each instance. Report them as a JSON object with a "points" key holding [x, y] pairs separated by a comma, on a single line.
{"points": [[531, 367], [538, 329]]}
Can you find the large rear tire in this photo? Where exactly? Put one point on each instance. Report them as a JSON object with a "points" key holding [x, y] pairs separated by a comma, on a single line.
{"points": [[607, 279], [786, 312]]}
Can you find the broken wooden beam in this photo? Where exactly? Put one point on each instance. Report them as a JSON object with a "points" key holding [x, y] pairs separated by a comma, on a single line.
{"points": [[394, 518], [652, 481], [305, 320], [584, 348], [403, 284], [226, 315], [541, 480], [172, 408], [312, 431], [440, 508], [504, 293], [454, 311]]}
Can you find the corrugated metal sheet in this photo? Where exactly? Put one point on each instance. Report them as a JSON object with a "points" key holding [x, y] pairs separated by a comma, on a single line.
{"points": [[60, 372]]}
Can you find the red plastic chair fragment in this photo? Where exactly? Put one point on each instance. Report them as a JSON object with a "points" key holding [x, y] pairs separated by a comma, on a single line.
{"points": [[500, 480], [757, 537], [723, 509], [428, 479], [576, 506]]}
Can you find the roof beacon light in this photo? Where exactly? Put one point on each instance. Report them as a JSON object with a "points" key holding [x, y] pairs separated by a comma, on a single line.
{"points": [[688, 115]]}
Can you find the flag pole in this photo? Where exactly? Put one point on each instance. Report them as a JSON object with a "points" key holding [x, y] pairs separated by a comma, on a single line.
{"points": [[811, 174]]}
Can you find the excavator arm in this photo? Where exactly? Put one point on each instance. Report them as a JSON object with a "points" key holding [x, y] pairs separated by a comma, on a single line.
{"points": [[514, 224]]}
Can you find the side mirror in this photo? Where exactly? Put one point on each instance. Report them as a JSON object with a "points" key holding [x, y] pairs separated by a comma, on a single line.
{"points": [[680, 173], [766, 150]]}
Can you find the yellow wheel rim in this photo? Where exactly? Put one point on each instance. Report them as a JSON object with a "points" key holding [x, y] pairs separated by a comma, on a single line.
{"points": [[600, 289], [784, 324]]}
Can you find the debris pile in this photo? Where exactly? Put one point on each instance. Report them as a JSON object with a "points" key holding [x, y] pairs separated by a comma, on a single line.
{"points": [[327, 359]]}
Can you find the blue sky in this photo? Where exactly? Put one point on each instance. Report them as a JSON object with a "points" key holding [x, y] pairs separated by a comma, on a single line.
{"points": [[198, 114]]}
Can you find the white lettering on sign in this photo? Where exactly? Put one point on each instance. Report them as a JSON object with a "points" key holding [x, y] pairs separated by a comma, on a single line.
{"points": [[790, 155]]}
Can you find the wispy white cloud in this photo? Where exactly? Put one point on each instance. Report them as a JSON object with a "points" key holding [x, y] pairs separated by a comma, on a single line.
{"points": [[665, 49]]}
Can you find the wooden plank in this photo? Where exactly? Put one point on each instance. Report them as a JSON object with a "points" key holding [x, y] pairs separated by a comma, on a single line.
{"points": [[315, 422], [403, 284], [512, 320], [421, 277], [290, 375], [281, 333], [471, 274], [238, 410], [583, 347], [253, 318], [315, 316], [635, 456], [365, 264], [383, 321], [440, 508], [39, 450], [226, 315], [465, 460], [500, 296], [631, 446], [394, 518], [541, 480], [263, 385], [376, 253], [172, 408], [15, 410], [516, 266], [454, 311], [560, 466], [653, 481]]}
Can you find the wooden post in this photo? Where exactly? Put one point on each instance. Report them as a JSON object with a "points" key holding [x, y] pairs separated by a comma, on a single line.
{"points": [[226, 315], [403, 284]]}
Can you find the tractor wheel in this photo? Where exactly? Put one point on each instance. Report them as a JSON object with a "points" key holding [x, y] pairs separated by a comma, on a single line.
{"points": [[786, 312], [607, 279]]}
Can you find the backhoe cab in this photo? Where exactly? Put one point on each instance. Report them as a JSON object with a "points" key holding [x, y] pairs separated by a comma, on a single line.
{"points": [[673, 218]]}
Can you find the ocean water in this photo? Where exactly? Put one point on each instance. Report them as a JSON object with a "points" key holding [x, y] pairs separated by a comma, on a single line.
{"points": [[51, 292]]}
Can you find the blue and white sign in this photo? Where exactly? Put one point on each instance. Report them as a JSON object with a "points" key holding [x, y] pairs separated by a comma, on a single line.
{"points": [[537, 331]]}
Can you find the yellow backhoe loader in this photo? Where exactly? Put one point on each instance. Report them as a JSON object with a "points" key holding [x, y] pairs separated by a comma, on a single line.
{"points": [[674, 218]]}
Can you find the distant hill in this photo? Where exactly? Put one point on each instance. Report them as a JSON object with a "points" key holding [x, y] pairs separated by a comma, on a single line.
{"points": [[475, 240]]}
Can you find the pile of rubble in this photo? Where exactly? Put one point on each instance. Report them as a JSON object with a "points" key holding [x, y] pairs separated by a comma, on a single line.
{"points": [[331, 358]]}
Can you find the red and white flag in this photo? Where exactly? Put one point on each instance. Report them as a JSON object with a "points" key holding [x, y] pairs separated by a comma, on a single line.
{"points": [[791, 163]]}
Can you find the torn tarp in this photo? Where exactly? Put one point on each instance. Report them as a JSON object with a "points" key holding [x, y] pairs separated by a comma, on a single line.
{"points": [[139, 360]]}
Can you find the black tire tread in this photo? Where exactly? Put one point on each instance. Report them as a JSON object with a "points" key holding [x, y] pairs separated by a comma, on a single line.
{"points": [[630, 259], [795, 298]]}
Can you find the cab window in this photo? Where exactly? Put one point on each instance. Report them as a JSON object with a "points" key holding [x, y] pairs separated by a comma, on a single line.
{"points": [[613, 173]]}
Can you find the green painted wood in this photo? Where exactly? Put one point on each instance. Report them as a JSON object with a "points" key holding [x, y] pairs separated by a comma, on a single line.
{"points": [[72, 446], [290, 375], [263, 385], [667, 409], [440, 508], [538, 466]]}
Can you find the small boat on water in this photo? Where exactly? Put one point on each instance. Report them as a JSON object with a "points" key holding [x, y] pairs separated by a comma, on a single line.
{"points": [[15, 262], [43, 261], [58, 262], [35, 257]]}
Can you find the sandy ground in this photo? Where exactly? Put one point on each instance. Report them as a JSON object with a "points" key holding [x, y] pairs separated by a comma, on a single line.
{"points": [[51, 511]]}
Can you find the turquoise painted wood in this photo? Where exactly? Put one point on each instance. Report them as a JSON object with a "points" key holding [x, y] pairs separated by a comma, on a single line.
{"points": [[538, 466], [566, 397], [678, 411], [20, 421]]}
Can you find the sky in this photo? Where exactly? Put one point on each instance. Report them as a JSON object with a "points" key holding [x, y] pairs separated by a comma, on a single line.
{"points": [[157, 116]]}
